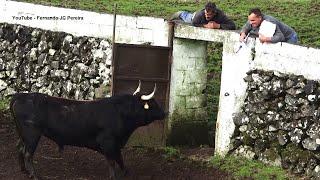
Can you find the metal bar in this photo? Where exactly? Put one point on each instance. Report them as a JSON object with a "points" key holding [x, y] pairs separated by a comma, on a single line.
{"points": [[113, 47], [170, 60], [170, 34], [143, 46], [142, 78]]}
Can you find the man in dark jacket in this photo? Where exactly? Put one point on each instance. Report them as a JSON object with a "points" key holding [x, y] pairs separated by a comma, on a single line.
{"points": [[210, 17]]}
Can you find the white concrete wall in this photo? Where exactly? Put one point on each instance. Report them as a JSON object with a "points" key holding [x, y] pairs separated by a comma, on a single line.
{"points": [[130, 30], [289, 59]]}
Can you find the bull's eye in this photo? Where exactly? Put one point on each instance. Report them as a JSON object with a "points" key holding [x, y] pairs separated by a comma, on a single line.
{"points": [[146, 106]]}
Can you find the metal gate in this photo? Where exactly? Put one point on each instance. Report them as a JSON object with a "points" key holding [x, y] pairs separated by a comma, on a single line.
{"points": [[150, 64]]}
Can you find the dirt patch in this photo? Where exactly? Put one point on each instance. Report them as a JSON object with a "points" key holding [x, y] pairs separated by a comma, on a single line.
{"points": [[81, 163]]}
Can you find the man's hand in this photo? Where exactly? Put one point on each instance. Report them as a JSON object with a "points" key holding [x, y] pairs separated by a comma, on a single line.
{"points": [[212, 25], [264, 39], [242, 37]]}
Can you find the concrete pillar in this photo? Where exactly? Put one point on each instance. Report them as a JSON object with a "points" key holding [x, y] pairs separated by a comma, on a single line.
{"points": [[232, 91]]}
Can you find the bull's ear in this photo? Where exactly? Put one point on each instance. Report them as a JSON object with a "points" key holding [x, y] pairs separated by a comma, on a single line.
{"points": [[146, 106]]}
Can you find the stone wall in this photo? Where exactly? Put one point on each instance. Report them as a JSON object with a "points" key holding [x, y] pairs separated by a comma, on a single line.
{"points": [[80, 68], [279, 122], [55, 63]]}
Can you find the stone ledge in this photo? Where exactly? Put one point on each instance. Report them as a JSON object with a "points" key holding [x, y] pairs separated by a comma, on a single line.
{"points": [[204, 34]]}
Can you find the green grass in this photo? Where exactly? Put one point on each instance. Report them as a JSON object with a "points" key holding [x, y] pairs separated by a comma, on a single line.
{"points": [[238, 167], [171, 152], [242, 168], [214, 66], [4, 104]]}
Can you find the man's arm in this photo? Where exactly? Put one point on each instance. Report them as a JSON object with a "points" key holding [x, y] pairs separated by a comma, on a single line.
{"points": [[226, 23], [198, 19], [244, 31], [278, 36]]}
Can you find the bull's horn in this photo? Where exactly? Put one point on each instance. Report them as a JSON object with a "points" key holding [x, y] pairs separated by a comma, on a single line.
{"points": [[148, 97], [138, 89]]}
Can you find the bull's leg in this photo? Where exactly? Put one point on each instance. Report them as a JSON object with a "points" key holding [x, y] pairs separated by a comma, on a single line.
{"points": [[108, 149], [29, 165], [21, 152], [119, 160], [30, 138], [112, 172]]}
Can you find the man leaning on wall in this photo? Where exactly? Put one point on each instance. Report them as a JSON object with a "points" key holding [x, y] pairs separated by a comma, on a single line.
{"points": [[267, 28], [210, 17]]}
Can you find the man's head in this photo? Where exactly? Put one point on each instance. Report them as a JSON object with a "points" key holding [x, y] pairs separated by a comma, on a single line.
{"points": [[209, 10], [255, 17]]}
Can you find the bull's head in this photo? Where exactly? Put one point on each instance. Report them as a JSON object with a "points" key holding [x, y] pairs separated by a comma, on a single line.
{"points": [[145, 97], [151, 107]]}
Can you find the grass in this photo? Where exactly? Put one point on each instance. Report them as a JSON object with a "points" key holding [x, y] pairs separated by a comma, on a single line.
{"points": [[4, 104], [171, 152], [242, 168], [214, 67], [239, 167]]}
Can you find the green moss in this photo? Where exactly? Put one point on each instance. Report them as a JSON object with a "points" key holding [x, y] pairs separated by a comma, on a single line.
{"points": [[271, 154], [276, 145], [247, 140], [4, 103], [290, 152], [294, 153]]}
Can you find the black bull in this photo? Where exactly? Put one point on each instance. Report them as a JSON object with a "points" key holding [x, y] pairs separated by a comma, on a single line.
{"points": [[103, 125]]}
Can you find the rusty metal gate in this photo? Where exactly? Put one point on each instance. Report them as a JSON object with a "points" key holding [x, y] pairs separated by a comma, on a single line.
{"points": [[150, 64]]}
